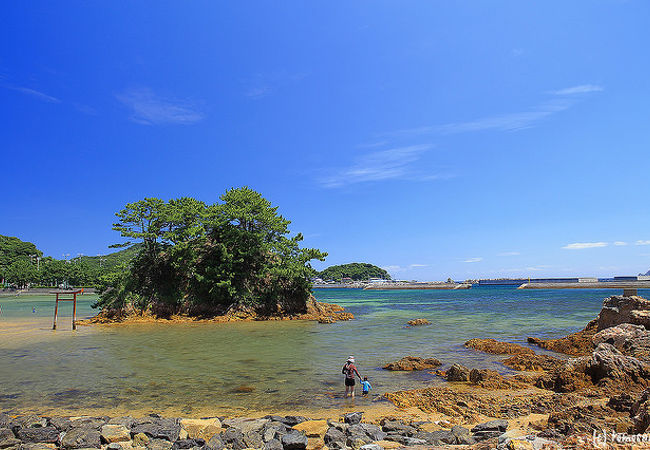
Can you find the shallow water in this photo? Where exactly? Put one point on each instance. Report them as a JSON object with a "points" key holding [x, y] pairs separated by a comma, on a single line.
{"points": [[200, 369]]}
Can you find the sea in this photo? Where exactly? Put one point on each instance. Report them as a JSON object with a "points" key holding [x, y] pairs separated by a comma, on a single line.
{"points": [[249, 368]]}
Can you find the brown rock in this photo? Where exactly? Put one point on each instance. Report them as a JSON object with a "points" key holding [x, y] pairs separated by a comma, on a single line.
{"points": [[619, 309], [563, 380], [497, 348], [619, 335], [491, 379], [201, 428], [576, 344], [457, 373], [410, 363], [640, 413], [313, 428], [533, 363], [586, 419], [418, 322], [608, 362]]}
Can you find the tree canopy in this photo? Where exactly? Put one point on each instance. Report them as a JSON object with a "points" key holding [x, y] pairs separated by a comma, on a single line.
{"points": [[355, 271], [204, 259]]}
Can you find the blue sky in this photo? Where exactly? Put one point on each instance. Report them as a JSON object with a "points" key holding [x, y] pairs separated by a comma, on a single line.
{"points": [[436, 139]]}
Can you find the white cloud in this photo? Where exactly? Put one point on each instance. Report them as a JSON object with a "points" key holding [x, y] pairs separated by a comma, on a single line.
{"points": [[508, 254], [581, 89], [473, 260], [150, 109], [583, 245], [510, 121], [398, 268], [642, 242], [33, 93], [388, 164], [620, 243]]}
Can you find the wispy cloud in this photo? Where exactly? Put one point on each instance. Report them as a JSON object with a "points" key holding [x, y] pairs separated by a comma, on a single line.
{"points": [[33, 93], [581, 89], [397, 268], [509, 254], [264, 84], [584, 245], [473, 260], [388, 164], [620, 243], [150, 109], [642, 242], [563, 100]]}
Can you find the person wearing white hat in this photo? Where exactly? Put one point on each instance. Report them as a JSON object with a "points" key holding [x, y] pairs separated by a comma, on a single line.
{"points": [[350, 370]]}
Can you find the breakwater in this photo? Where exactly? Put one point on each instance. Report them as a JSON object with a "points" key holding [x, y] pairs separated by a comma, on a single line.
{"points": [[417, 286]]}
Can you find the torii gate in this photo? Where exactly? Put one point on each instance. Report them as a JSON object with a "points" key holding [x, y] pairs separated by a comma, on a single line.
{"points": [[61, 297]]}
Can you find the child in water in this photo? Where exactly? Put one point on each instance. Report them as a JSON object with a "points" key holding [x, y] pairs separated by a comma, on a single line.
{"points": [[365, 387]]}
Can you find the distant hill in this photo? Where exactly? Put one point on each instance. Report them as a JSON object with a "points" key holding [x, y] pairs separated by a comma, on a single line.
{"points": [[356, 271], [112, 260]]}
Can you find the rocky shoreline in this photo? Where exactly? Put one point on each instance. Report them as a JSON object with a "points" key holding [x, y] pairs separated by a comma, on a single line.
{"points": [[315, 311], [548, 402]]}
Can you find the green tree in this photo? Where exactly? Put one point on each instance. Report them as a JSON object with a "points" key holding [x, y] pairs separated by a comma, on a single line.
{"points": [[355, 271], [21, 273]]}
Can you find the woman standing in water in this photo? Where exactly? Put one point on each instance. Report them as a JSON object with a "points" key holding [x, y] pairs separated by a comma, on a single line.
{"points": [[350, 370]]}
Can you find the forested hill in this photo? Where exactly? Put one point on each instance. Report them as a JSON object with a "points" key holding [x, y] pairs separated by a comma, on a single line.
{"points": [[355, 271], [13, 249]]}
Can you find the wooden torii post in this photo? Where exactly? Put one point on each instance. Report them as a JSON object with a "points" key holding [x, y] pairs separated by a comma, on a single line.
{"points": [[62, 297]]}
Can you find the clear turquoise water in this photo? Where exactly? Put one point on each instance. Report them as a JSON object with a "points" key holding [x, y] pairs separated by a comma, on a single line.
{"points": [[196, 368]]}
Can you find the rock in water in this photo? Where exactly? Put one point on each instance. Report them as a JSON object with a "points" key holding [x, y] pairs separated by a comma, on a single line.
{"points": [[576, 344], [619, 309], [418, 322], [334, 438], [457, 373], [497, 347], [410, 363]]}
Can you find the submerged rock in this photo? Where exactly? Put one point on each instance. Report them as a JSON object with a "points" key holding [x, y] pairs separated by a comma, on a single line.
{"points": [[497, 347], [418, 322], [411, 363]]}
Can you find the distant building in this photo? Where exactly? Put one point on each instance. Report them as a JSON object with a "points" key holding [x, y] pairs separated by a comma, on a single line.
{"points": [[347, 280]]}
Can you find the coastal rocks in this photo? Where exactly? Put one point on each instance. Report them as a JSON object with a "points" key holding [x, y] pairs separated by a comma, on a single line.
{"points": [[246, 425], [457, 373], [585, 419], [491, 379], [81, 438], [8, 439], [295, 440], [115, 433], [497, 347], [411, 363], [334, 438], [38, 435], [608, 362], [576, 344], [353, 418], [533, 363], [487, 430], [418, 322], [640, 413], [157, 428], [619, 309], [563, 381], [618, 335], [201, 428], [313, 428], [5, 420]]}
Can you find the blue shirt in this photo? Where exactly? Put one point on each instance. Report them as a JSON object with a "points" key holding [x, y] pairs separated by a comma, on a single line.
{"points": [[365, 385]]}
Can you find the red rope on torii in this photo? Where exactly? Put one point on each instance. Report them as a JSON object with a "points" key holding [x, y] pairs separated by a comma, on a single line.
{"points": [[61, 297]]}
